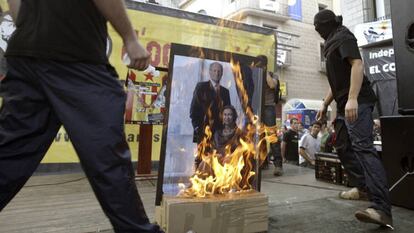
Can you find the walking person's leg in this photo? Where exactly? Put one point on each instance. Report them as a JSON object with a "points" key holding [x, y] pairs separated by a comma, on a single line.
{"points": [[276, 153], [27, 128], [360, 133], [90, 102], [350, 162], [269, 119]]}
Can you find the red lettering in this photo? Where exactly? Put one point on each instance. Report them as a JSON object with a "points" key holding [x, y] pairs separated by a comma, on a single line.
{"points": [[166, 54], [155, 60]]}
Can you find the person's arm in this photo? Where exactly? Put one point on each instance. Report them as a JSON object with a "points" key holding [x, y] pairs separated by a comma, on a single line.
{"points": [[357, 76], [271, 82], [14, 6], [306, 156], [304, 143], [324, 108], [114, 11]]}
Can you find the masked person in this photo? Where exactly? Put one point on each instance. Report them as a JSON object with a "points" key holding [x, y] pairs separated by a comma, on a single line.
{"points": [[355, 101]]}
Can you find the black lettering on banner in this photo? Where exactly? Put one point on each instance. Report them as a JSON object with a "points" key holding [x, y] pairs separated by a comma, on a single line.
{"points": [[66, 137], [156, 138], [132, 137], [57, 138]]}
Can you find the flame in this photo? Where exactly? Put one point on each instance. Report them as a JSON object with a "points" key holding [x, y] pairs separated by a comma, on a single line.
{"points": [[233, 171]]}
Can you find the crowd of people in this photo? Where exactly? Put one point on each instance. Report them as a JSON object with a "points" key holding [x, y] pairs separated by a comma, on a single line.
{"points": [[298, 145]]}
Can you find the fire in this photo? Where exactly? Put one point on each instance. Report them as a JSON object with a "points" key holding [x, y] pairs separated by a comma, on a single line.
{"points": [[233, 171]]}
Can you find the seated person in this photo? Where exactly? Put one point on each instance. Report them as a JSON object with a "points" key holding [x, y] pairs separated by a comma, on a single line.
{"points": [[323, 134], [309, 145]]}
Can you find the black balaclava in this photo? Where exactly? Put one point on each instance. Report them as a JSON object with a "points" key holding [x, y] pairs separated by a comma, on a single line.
{"points": [[325, 22]]}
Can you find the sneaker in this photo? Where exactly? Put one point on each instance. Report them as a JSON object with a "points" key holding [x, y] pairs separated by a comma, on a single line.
{"points": [[353, 194], [371, 215], [278, 171]]}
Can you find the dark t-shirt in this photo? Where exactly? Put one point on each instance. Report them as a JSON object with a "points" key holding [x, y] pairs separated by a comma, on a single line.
{"points": [[291, 138], [61, 30], [339, 75]]}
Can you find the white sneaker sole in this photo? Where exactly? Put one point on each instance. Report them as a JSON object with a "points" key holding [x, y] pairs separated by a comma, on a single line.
{"points": [[364, 217]]}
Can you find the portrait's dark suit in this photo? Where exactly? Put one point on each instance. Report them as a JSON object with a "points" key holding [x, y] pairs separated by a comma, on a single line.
{"points": [[206, 97]]}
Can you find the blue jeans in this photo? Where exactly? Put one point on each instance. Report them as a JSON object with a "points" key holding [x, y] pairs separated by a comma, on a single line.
{"points": [[354, 144], [269, 119]]}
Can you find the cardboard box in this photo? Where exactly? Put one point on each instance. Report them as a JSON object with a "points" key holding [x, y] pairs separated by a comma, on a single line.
{"points": [[230, 213]]}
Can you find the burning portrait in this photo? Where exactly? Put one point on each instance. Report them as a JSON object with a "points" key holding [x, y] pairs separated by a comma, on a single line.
{"points": [[214, 141]]}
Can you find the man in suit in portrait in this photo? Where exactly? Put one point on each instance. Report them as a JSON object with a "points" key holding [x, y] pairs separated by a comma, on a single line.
{"points": [[208, 101]]}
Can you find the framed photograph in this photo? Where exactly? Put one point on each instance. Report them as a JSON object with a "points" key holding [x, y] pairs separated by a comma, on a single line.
{"points": [[207, 90]]}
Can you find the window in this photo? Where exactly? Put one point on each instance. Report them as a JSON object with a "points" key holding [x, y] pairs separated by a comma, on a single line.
{"points": [[382, 9], [375, 10]]}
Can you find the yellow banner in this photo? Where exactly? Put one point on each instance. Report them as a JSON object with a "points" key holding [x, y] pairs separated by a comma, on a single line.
{"points": [[4, 6]]}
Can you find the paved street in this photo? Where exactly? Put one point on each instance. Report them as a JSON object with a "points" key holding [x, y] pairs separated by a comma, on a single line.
{"points": [[297, 203]]}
